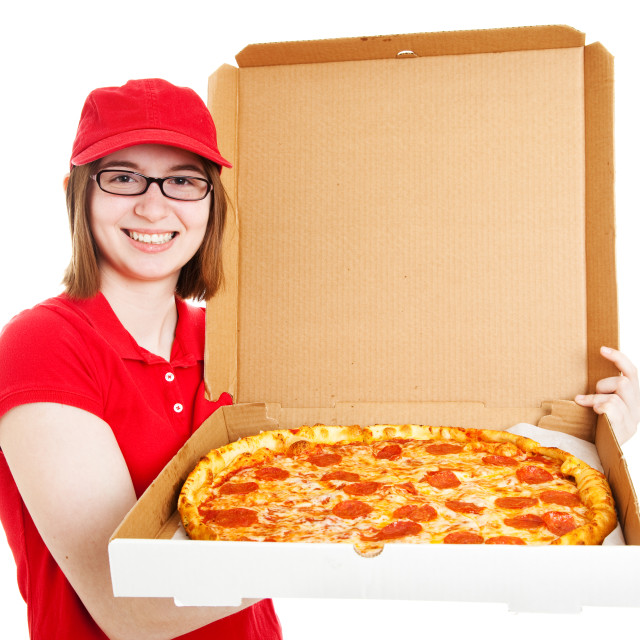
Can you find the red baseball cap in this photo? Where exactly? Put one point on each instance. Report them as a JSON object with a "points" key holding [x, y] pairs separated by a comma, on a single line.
{"points": [[151, 111]]}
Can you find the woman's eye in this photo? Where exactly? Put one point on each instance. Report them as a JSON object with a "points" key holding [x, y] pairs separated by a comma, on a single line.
{"points": [[181, 181], [120, 178]]}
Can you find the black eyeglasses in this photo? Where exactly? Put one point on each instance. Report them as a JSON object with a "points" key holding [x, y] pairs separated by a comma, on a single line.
{"points": [[129, 183]]}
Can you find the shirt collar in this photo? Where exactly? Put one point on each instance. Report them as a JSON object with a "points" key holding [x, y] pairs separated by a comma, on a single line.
{"points": [[188, 345]]}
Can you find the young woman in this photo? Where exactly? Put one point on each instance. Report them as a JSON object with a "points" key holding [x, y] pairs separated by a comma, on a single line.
{"points": [[105, 382], [102, 385]]}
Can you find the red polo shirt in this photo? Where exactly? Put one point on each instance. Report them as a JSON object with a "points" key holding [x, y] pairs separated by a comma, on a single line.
{"points": [[76, 352]]}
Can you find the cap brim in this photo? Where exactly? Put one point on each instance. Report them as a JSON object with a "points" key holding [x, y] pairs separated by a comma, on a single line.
{"points": [[109, 145]]}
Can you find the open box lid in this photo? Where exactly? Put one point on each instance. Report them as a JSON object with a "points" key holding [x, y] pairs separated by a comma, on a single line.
{"points": [[422, 228]]}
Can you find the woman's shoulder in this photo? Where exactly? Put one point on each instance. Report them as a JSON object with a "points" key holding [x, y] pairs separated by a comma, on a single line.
{"points": [[49, 355], [59, 329], [46, 320]]}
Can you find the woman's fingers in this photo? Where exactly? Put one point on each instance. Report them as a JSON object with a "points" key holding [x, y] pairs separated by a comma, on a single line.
{"points": [[626, 367], [617, 396]]}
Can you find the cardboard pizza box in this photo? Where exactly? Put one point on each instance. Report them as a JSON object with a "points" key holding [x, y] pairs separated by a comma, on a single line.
{"points": [[422, 231]]}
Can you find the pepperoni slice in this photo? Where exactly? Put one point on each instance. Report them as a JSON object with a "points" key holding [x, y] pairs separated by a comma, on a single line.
{"points": [[416, 512], [444, 448], [500, 461], [533, 475], [525, 521], [351, 509], [505, 540], [361, 488], [463, 507], [271, 473], [237, 517], [559, 522], [338, 474], [390, 452], [407, 486], [443, 479], [237, 488], [325, 459], [398, 529], [564, 498], [515, 502], [463, 537]]}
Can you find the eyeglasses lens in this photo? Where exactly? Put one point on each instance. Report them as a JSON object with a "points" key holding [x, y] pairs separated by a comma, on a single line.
{"points": [[128, 183]]}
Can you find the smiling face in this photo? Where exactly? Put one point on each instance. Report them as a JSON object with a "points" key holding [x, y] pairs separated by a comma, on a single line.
{"points": [[147, 237]]}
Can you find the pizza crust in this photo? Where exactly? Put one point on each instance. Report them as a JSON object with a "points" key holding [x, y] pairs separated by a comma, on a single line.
{"points": [[215, 468]]}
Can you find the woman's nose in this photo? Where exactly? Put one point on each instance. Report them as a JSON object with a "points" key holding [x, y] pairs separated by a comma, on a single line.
{"points": [[152, 204]]}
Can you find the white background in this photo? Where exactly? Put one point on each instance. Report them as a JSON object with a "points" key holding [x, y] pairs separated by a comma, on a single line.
{"points": [[54, 53]]}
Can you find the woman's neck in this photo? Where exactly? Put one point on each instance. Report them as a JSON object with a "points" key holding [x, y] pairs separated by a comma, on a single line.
{"points": [[146, 310]]}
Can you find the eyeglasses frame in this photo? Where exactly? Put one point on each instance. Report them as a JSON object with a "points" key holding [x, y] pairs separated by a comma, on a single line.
{"points": [[150, 181]]}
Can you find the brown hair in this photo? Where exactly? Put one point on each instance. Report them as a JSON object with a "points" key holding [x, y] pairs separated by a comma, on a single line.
{"points": [[200, 278]]}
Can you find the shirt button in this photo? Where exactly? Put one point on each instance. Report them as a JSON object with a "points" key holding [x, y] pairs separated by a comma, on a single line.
{"points": [[169, 377], [177, 407]]}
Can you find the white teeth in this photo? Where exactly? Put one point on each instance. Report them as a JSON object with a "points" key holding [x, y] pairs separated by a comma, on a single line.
{"points": [[153, 238]]}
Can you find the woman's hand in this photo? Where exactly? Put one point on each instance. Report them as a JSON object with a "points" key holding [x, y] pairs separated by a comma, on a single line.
{"points": [[618, 396]]}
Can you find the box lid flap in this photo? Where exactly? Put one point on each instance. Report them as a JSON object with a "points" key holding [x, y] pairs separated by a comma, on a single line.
{"points": [[420, 44]]}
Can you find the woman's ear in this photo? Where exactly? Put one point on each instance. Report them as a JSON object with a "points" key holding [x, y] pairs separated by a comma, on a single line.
{"points": [[65, 182]]}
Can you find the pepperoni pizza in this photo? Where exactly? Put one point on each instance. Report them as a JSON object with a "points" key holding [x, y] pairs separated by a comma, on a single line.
{"points": [[386, 483]]}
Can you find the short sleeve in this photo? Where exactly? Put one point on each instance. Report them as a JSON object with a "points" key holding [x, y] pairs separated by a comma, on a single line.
{"points": [[46, 356]]}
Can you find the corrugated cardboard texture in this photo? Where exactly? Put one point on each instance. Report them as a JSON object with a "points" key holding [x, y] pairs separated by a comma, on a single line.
{"points": [[403, 225], [389, 191], [617, 473], [599, 199], [222, 313]]}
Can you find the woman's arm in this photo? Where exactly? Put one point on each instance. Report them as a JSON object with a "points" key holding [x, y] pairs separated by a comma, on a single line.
{"points": [[618, 396], [77, 488]]}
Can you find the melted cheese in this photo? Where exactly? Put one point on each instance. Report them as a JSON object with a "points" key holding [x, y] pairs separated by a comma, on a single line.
{"points": [[299, 507]]}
